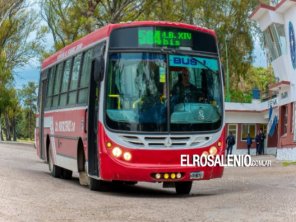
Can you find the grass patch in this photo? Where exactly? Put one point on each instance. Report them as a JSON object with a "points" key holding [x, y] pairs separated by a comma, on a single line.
{"points": [[25, 140], [287, 163]]}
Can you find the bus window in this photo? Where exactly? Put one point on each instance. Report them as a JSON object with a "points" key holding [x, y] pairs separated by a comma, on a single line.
{"points": [[74, 79], [85, 76], [196, 100], [65, 81], [50, 87], [136, 92], [56, 90]]}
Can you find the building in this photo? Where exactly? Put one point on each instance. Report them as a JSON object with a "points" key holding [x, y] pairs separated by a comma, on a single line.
{"points": [[277, 21], [244, 118]]}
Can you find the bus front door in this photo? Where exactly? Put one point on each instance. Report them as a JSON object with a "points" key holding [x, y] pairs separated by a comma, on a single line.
{"points": [[93, 113], [42, 96], [92, 129]]}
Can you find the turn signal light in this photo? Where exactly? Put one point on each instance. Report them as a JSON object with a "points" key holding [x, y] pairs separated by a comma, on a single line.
{"points": [[109, 144], [173, 175], [166, 176], [219, 144]]}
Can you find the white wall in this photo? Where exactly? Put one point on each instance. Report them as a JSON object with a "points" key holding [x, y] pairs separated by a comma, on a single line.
{"points": [[281, 66], [245, 117], [268, 18], [286, 154]]}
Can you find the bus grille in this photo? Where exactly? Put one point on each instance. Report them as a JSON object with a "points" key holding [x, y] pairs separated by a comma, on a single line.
{"points": [[164, 141]]}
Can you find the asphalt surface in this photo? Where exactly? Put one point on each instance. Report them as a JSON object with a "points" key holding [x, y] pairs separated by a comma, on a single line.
{"points": [[29, 193]]}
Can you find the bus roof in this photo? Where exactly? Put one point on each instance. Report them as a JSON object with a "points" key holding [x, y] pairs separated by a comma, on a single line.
{"points": [[105, 31]]}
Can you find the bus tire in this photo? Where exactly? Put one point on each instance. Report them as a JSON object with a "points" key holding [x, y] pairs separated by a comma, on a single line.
{"points": [[131, 183], [120, 183], [183, 188], [67, 174], [96, 185], [54, 170], [82, 165]]}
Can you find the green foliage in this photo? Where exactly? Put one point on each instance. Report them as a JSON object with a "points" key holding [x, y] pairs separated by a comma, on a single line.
{"points": [[28, 96], [260, 78], [228, 18], [26, 123], [17, 48], [240, 97], [86, 16], [257, 77], [288, 163]]}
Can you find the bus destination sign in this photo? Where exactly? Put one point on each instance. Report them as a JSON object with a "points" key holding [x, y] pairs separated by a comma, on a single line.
{"points": [[163, 37]]}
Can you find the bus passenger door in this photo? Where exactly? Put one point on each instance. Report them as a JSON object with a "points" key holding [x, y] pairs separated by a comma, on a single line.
{"points": [[42, 96], [92, 130], [93, 113]]}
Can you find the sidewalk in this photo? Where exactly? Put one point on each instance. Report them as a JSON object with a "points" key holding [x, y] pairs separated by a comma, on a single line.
{"points": [[18, 143]]}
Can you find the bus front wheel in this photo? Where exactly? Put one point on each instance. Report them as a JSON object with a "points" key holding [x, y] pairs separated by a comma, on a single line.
{"points": [[183, 187], [96, 185]]}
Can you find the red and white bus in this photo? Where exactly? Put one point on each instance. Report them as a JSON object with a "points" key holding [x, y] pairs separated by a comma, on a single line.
{"points": [[108, 111]]}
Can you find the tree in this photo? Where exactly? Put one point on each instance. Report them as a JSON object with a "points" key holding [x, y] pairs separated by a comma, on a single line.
{"points": [[228, 18], [17, 22], [28, 96], [10, 113], [86, 16], [258, 78]]}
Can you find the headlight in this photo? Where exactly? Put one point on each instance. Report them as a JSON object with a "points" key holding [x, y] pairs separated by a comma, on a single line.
{"points": [[116, 152], [127, 156]]}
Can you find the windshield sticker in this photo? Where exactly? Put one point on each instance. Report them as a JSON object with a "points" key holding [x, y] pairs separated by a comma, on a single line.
{"points": [[192, 62], [162, 74]]}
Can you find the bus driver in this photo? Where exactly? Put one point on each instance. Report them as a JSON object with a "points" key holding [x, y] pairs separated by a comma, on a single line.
{"points": [[184, 91]]}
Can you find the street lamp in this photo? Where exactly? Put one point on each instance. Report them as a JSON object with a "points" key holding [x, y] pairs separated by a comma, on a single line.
{"points": [[227, 72]]}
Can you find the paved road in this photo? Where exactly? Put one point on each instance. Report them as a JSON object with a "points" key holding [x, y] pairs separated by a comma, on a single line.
{"points": [[29, 193]]}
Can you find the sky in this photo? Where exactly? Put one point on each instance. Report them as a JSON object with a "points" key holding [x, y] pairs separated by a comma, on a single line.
{"points": [[260, 59], [31, 71]]}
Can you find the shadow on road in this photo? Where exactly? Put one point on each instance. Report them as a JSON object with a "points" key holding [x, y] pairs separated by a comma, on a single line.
{"points": [[141, 190]]}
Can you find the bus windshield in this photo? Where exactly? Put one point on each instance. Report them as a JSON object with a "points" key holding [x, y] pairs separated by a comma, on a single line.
{"points": [[166, 93]]}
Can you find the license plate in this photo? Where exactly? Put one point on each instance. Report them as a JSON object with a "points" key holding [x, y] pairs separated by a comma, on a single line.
{"points": [[196, 175]]}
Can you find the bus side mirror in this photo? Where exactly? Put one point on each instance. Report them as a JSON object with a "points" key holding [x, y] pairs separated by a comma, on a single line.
{"points": [[98, 67]]}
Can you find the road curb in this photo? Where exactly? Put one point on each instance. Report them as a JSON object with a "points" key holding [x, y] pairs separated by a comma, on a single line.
{"points": [[18, 143]]}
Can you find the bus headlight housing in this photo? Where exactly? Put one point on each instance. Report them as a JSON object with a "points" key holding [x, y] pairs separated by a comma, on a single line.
{"points": [[179, 175], [127, 156], [158, 176], [213, 150], [116, 151], [205, 153]]}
